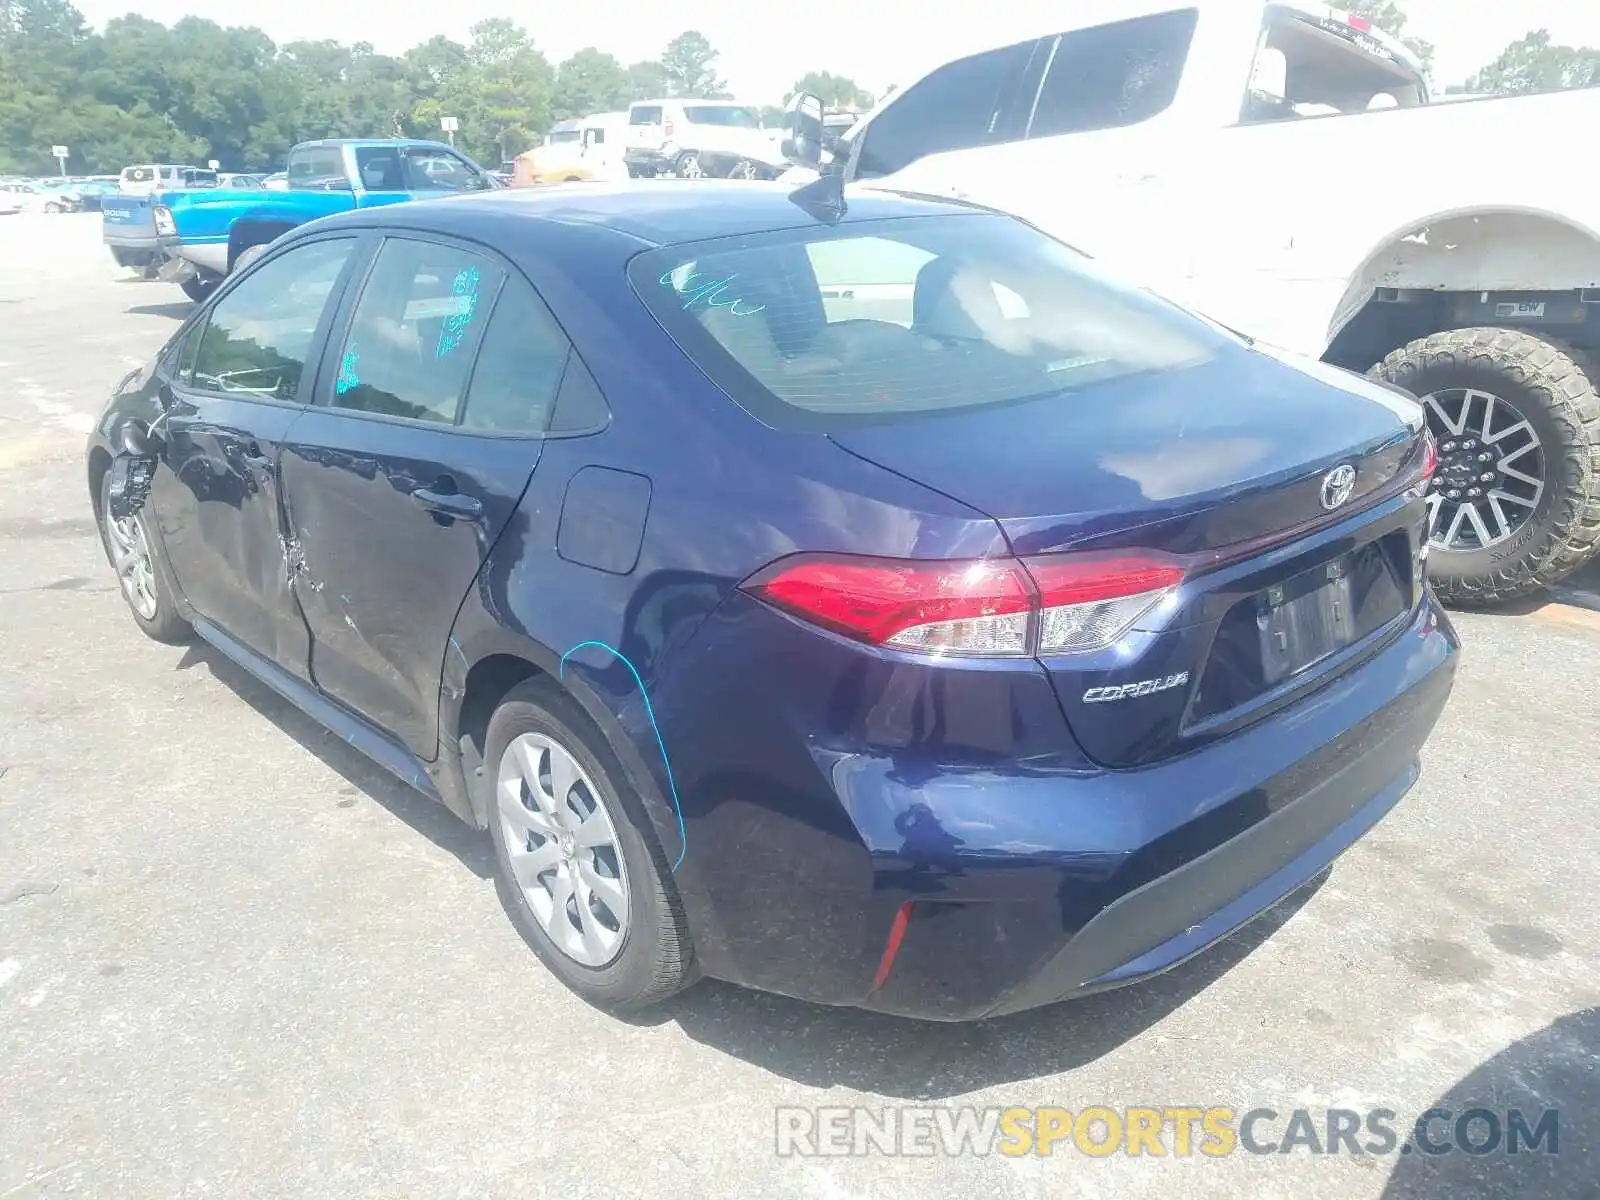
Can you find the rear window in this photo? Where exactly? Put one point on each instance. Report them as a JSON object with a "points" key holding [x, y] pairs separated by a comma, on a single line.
{"points": [[721, 114], [890, 320], [316, 167], [138, 174], [644, 114]]}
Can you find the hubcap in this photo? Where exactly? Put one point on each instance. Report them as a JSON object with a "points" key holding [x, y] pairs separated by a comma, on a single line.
{"points": [[563, 848], [130, 552], [691, 168], [1490, 476]]}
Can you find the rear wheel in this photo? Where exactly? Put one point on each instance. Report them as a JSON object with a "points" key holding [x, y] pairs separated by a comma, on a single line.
{"points": [[1515, 503], [578, 865], [53, 207], [687, 166], [743, 169], [198, 287]]}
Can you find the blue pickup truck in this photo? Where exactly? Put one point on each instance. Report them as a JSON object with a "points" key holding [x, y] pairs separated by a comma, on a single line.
{"points": [[196, 237]]}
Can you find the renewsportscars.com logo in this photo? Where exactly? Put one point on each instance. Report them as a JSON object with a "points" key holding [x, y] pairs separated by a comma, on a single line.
{"points": [[1178, 1131]]}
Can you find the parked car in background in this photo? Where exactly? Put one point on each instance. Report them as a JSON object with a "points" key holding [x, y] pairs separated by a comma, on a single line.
{"points": [[582, 150], [1214, 148], [203, 235], [1018, 642], [142, 180], [93, 189], [33, 197], [238, 181], [694, 139], [278, 181]]}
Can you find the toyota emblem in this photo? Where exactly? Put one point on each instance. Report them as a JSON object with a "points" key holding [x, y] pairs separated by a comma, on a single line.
{"points": [[1337, 485]]}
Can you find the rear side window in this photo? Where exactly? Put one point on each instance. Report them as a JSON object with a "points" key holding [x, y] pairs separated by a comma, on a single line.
{"points": [[519, 368], [889, 320], [1114, 75], [721, 114], [414, 330], [644, 114], [957, 107]]}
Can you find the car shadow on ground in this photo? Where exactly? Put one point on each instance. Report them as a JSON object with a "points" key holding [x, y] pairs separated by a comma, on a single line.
{"points": [[428, 817], [889, 1056], [177, 310], [815, 1044], [1553, 1069]]}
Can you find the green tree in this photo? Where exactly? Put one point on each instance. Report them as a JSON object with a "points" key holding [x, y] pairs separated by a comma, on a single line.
{"points": [[503, 100], [689, 65], [647, 81], [1388, 16], [835, 91], [1535, 64], [591, 81]]}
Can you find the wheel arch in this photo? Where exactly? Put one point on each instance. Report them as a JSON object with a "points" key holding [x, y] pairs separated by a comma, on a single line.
{"points": [[254, 231], [479, 675], [1498, 248]]}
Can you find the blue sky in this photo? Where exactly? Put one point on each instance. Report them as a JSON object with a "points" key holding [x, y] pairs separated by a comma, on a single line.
{"points": [[765, 46]]}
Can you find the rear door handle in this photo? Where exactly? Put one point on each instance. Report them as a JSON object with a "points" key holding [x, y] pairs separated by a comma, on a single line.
{"points": [[449, 504]]}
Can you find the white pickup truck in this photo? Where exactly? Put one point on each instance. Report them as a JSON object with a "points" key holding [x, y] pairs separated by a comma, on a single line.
{"points": [[1278, 167]]}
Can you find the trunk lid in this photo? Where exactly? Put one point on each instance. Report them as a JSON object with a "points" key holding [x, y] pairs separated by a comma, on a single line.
{"points": [[1220, 463]]}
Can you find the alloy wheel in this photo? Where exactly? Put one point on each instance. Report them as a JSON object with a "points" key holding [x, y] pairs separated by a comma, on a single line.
{"points": [[1490, 477], [563, 849], [130, 553], [743, 169], [689, 167]]}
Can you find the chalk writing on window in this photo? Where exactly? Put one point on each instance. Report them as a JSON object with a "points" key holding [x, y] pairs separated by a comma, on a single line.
{"points": [[715, 293], [455, 328]]}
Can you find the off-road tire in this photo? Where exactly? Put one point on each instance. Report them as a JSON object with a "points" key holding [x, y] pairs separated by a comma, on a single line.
{"points": [[656, 960], [1554, 387]]}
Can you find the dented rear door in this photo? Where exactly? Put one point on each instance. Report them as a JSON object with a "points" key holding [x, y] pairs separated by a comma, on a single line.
{"points": [[427, 426]]}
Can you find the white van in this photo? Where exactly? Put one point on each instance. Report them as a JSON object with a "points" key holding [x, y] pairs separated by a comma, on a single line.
{"points": [[162, 177]]}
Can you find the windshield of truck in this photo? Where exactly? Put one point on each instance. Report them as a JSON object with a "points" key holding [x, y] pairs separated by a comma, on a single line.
{"points": [[1321, 65], [822, 328], [721, 114]]}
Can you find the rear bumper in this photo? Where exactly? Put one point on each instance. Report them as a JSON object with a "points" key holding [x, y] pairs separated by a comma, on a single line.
{"points": [[1025, 883], [133, 248]]}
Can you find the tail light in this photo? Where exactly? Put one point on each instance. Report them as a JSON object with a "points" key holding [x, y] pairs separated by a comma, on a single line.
{"points": [[998, 607], [667, 130], [161, 218], [1430, 456]]}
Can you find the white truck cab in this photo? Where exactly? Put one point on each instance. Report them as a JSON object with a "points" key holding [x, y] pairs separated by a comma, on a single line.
{"points": [[695, 139], [1280, 167]]}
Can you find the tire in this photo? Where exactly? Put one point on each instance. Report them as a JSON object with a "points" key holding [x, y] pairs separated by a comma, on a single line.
{"points": [[247, 256], [687, 166], [198, 287], [744, 169], [53, 207], [1552, 388], [155, 610], [653, 959]]}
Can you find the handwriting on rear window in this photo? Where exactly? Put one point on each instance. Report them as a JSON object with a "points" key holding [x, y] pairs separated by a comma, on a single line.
{"points": [[715, 293]]}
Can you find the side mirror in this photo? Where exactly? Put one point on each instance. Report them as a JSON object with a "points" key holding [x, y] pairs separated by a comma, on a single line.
{"points": [[802, 128]]}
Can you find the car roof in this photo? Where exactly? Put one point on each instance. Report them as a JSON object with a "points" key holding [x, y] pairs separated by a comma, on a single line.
{"points": [[638, 213]]}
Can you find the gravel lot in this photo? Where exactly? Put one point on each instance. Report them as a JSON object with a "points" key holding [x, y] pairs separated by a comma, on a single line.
{"points": [[236, 960]]}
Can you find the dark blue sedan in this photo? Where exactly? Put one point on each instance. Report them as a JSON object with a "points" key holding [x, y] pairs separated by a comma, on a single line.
{"points": [[885, 608]]}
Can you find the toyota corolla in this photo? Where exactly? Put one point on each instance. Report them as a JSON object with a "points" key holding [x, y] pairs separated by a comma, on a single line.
{"points": [[884, 607]]}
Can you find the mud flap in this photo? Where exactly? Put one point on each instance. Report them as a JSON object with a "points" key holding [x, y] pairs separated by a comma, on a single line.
{"points": [[129, 484]]}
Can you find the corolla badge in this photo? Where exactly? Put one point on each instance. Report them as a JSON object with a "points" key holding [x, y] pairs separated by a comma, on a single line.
{"points": [[1337, 486]]}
